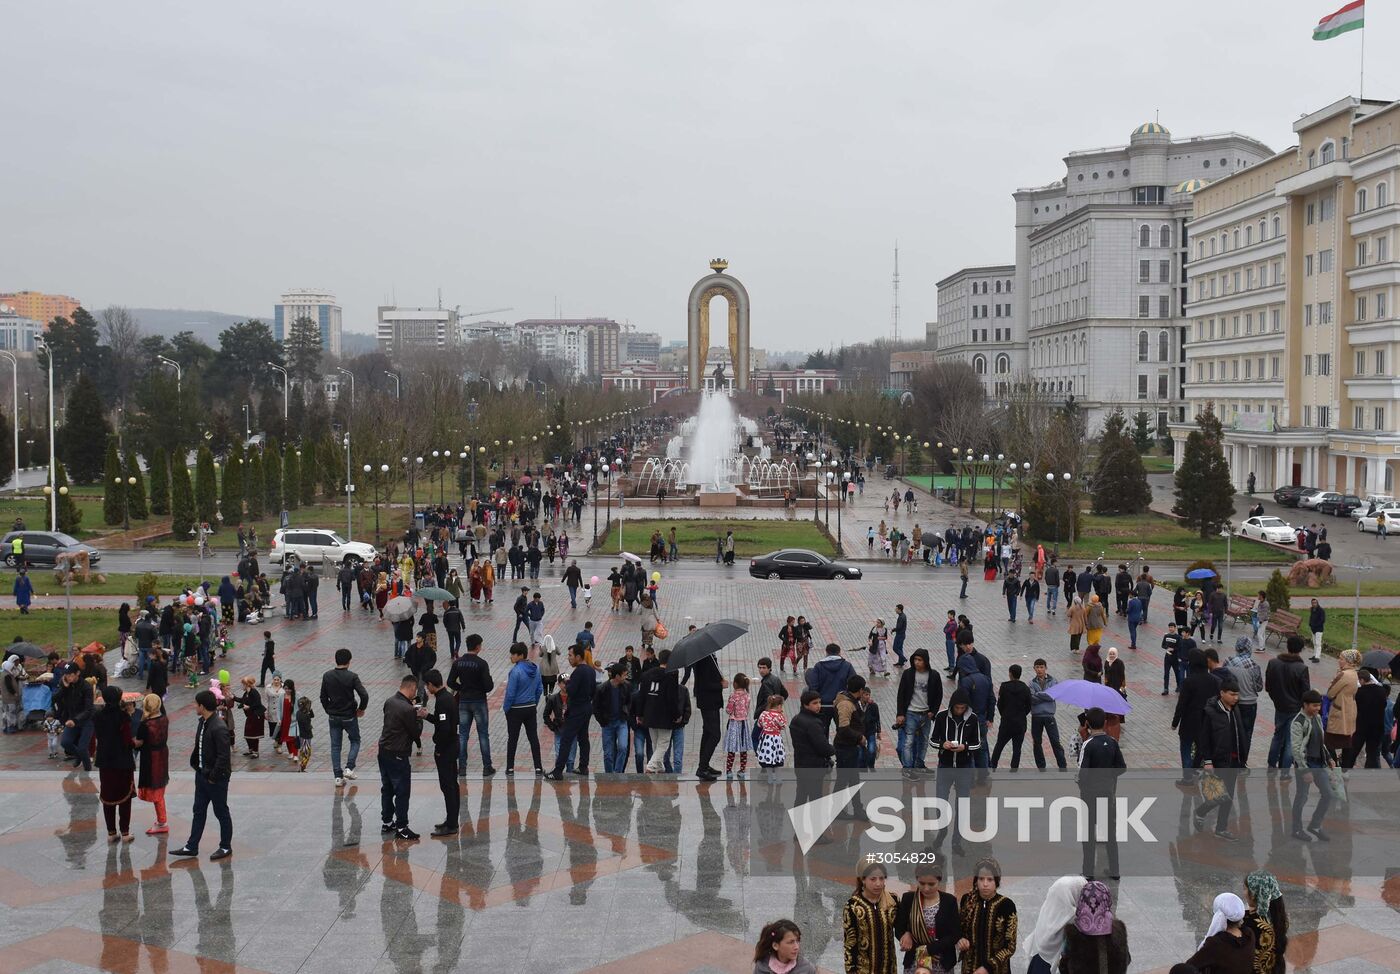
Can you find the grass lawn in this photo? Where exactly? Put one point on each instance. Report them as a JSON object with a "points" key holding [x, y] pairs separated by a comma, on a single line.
{"points": [[944, 480], [117, 583], [1377, 587], [49, 627], [1378, 627], [697, 538], [36, 514], [1122, 538], [1156, 464]]}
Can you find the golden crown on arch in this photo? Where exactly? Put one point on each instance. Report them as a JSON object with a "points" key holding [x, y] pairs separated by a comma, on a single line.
{"points": [[719, 265]]}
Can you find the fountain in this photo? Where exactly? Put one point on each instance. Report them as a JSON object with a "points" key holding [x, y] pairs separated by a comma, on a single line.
{"points": [[713, 447]]}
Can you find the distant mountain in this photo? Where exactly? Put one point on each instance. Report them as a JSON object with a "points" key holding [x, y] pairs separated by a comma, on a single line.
{"points": [[354, 343], [206, 325]]}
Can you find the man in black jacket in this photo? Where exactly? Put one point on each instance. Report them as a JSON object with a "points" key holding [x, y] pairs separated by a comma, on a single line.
{"points": [[811, 751], [901, 628], [612, 707], [73, 705], [445, 751], [919, 697], [1014, 706], [212, 762], [345, 582], [1286, 679], [1122, 588], [1100, 765], [402, 726], [521, 608], [659, 697], [710, 685], [471, 680], [1196, 690], [1222, 744], [344, 699], [957, 736], [583, 683]]}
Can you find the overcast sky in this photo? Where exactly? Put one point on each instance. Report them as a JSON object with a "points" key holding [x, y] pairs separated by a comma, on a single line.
{"points": [[598, 154]]}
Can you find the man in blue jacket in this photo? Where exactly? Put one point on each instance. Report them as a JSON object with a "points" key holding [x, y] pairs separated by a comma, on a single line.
{"points": [[524, 687], [583, 683], [973, 682], [828, 677]]}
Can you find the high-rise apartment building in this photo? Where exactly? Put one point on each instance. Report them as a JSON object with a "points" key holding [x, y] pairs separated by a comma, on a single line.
{"points": [[977, 324], [319, 306], [1100, 257], [39, 306], [406, 329], [1292, 283], [18, 333]]}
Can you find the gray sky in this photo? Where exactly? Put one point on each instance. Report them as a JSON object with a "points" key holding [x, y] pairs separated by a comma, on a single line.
{"points": [[204, 156]]}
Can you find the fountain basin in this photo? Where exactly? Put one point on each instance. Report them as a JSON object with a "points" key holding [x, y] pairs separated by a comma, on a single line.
{"points": [[717, 497]]}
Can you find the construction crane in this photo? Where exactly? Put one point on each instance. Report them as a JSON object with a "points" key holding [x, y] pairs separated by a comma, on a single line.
{"points": [[477, 314]]}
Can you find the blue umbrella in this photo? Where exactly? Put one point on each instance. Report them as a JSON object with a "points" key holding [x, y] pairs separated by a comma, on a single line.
{"points": [[1196, 574], [1084, 694]]}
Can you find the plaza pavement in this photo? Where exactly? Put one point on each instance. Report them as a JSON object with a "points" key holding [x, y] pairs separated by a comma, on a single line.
{"points": [[616, 873]]}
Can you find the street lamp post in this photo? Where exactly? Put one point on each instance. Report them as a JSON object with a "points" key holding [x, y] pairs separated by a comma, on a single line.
{"points": [[592, 497], [1228, 532], [286, 386], [473, 408], [607, 476], [1360, 566], [179, 374], [397, 386], [816, 490], [1066, 478], [349, 491], [14, 364], [830, 477], [247, 423], [53, 507], [124, 484]]}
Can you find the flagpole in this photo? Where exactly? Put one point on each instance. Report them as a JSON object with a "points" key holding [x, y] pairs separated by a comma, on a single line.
{"points": [[1361, 92]]}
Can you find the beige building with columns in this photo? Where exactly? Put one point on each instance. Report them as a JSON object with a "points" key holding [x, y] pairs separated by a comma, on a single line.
{"points": [[1292, 278]]}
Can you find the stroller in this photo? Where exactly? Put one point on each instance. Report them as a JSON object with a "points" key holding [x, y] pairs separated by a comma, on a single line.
{"points": [[35, 702]]}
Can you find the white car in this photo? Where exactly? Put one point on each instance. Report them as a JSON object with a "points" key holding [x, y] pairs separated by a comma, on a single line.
{"points": [[315, 545], [1367, 522], [1310, 498], [1268, 528]]}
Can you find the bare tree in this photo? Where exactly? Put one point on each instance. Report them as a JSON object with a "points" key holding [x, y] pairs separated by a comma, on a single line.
{"points": [[121, 333]]}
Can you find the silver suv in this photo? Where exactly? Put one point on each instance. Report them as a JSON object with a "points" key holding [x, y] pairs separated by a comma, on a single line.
{"points": [[316, 545]]}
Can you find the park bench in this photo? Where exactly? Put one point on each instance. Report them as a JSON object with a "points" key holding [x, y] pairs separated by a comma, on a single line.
{"points": [[1241, 607], [1282, 624]]}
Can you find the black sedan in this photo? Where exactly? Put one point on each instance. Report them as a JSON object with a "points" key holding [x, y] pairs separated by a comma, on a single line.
{"points": [[800, 563], [1290, 495]]}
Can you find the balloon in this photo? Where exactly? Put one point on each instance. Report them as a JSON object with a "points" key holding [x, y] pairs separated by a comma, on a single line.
{"points": [[223, 676], [656, 576], [189, 600], [593, 580]]}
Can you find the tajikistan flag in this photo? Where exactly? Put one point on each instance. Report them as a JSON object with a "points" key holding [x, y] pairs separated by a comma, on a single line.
{"points": [[1350, 17]]}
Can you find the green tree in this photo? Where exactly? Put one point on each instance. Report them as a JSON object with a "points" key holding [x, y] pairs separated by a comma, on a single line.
{"points": [[272, 478], [39, 448], [135, 494], [1120, 480], [296, 415], [1205, 497], [270, 415], [244, 351], [160, 481], [304, 349], [560, 437], [291, 478], [69, 516], [1142, 432], [1277, 593], [75, 345], [253, 485], [332, 462], [308, 473], [206, 487], [234, 469], [113, 486], [83, 436], [7, 455], [181, 500]]}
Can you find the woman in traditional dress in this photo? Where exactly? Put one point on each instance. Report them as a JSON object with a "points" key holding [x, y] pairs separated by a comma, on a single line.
{"points": [[868, 924], [1267, 918], [152, 738], [927, 924], [1228, 948], [1096, 942], [1047, 941], [116, 768], [988, 923], [254, 715]]}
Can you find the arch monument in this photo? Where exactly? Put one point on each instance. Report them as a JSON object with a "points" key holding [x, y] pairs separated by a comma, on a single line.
{"points": [[736, 298]]}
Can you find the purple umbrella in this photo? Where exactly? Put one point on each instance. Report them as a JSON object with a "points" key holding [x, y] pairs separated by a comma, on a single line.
{"points": [[1084, 694]]}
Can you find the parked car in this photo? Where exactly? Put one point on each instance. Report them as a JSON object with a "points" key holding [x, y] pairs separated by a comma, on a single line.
{"points": [[1287, 495], [1339, 505], [41, 548], [316, 545], [1269, 528], [1308, 499], [800, 563], [1376, 501], [1366, 523]]}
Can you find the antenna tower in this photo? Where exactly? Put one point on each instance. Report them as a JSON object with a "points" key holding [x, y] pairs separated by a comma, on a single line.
{"points": [[894, 307]]}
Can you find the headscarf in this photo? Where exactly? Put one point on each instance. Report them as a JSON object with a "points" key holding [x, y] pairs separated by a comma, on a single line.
{"points": [[13, 666], [1263, 887], [1094, 599], [1093, 916], [150, 705], [1243, 645], [1048, 938], [1229, 908], [1351, 657], [1112, 653]]}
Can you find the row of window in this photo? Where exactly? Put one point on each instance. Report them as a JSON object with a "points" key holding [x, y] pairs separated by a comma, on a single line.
{"points": [[1061, 350], [1358, 418], [1362, 303], [1377, 358], [1320, 212], [1382, 196], [1240, 368], [1225, 237], [1060, 244], [980, 287], [1323, 315], [1163, 235], [1164, 272], [1001, 334], [1236, 281], [1003, 364], [1324, 364], [1205, 330], [1163, 385], [1380, 253], [1164, 306], [1002, 311], [1324, 263], [1075, 274]]}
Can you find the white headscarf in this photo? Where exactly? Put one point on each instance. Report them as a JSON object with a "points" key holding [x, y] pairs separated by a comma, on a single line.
{"points": [[1229, 908], [13, 666], [1048, 937]]}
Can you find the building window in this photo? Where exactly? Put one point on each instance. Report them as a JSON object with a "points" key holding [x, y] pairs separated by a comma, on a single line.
{"points": [[1380, 306], [1144, 271], [1310, 213], [1142, 387], [1361, 200], [979, 364], [1144, 306], [1273, 367], [1382, 249], [1249, 323], [1277, 227], [1235, 327], [1361, 308], [1378, 414], [1003, 364], [1307, 265], [1361, 253], [1324, 312], [1358, 417], [1235, 369], [1235, 242], [1307, 415], [1164, 271], [1360, 362], [1163, 346], [1163, 382], [1324, 417], [1164, 236], [1248, 236], [1326, 207], [1380, 361], [1307, 365], [1328, 149], [1142, 346], [1324, 364], [1144, 236], [1324, 262], [1164, 306], [1307, 315], [1276, 320]]}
